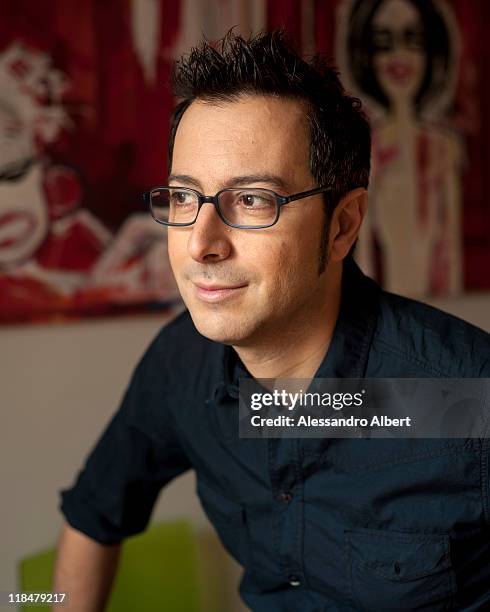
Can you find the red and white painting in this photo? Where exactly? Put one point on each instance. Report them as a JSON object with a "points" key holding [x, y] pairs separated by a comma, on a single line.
{"points": [[402, 57], [84, 117]]}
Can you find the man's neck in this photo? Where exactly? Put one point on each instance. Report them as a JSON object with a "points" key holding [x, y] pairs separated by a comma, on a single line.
{"points": [[296, 352]]}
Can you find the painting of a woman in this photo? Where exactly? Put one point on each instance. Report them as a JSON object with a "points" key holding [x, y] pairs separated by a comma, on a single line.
{"points": [[400, 57]]}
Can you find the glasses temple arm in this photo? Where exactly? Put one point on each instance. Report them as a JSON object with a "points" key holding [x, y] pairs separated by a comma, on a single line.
{"points": [[304, 194]]}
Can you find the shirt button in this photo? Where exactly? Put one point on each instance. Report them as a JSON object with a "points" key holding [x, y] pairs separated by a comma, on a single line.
{"points": [[285, 497], [294, 581]]}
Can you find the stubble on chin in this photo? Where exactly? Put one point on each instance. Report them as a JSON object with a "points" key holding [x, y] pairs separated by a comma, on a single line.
{"points": [[214, 327]]}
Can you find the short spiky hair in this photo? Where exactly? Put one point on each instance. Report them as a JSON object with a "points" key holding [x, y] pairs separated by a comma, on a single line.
{"points": [[266, 64]]}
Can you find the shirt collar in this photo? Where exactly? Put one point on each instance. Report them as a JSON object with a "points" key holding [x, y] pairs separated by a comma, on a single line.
{"points": [[348, 353]]}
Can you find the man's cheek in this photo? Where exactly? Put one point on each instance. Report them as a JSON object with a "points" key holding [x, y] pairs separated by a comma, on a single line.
{"points": [[175, 254]]}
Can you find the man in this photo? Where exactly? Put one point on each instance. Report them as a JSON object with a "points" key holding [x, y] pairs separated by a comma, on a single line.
{"points": [[272, 292]]}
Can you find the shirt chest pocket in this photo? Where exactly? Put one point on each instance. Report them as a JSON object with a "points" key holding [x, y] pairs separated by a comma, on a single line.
{"points": [[396, 571], [228, 519]]}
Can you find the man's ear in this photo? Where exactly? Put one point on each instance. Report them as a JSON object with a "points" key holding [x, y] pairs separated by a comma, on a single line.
{"points": [[346, 223]]}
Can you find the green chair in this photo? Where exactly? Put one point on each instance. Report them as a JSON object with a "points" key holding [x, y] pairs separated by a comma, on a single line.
{"points": [[158, 571]]}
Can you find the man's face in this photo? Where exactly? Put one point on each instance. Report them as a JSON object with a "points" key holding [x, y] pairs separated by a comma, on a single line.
{"points": [[271, 275]]}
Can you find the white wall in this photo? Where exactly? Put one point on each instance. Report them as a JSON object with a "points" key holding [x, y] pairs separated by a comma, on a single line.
{"points": [[59, 386]]}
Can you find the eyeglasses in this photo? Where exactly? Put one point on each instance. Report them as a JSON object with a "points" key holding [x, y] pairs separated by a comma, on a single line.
{"points": [[241, 208], [384, 39]]}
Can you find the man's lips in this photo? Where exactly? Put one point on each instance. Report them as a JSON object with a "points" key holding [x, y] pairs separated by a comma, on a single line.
{"points": [[218, 287], [217, 292]]}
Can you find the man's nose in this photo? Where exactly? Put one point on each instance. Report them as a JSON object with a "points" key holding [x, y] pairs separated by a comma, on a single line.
{"points": [[209, 237]]}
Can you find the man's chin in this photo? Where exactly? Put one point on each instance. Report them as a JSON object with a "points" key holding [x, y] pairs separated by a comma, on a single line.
{"points": [[218, 327]]}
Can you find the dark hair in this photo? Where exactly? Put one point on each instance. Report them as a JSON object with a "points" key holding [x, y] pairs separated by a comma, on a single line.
{"points": [[360, 50], [266, 64]]}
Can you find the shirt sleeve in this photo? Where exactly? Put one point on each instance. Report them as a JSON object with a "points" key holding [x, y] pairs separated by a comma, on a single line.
{"points": [[137, 454]]}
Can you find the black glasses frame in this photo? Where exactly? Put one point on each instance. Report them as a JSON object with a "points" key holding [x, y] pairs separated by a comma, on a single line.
{"points": [[204, 199]]}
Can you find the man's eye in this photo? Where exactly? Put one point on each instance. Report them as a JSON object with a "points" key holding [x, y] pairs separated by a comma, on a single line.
{"points": [[253, 200], [181, 197]]}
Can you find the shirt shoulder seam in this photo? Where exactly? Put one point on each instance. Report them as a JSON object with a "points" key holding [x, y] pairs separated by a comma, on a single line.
{"points": [[412, 358]]}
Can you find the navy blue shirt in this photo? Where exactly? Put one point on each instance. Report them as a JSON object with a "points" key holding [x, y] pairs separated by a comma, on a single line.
{"points": [[318, 524]]}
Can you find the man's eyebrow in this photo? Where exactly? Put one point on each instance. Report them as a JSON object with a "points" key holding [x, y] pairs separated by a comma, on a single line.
{"points": [[235, 181], [247, 179], [184, 178]]}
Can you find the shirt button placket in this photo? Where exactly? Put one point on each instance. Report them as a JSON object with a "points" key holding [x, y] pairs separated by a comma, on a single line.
{"points": [[290, 515], [291, 527]]}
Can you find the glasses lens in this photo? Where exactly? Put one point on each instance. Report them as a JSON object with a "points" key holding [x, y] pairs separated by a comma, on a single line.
{"points": [[253, 207], [384, 39], [174, 205], [415, 38]]}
